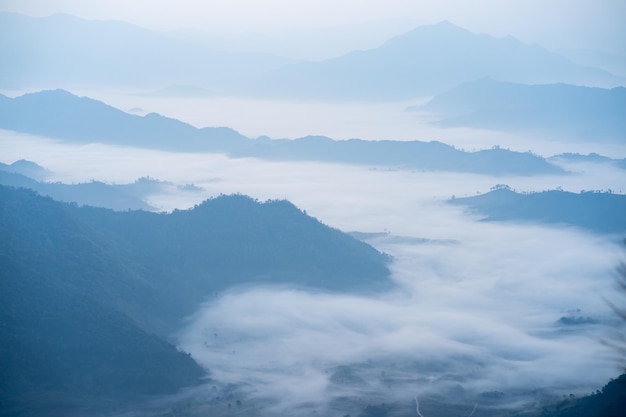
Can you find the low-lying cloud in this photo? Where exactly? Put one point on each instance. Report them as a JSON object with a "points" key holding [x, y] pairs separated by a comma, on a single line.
{"points": [[477, 306], [479, 315]]}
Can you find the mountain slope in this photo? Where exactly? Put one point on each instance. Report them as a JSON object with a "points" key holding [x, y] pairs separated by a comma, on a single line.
{"points": [[186, 255], [60, 114], [598, 212], [88, 296], [568, 110], [428, 60], [65, 339]]}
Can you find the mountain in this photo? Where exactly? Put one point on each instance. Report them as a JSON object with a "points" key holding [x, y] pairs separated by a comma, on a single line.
{"points": [[64, 339], [559, 109], [26, 168], [60, 114], [595, 211], [88, 296], [66, 50], [426, 156], [184, 256], [63, 50], [423, 62]]}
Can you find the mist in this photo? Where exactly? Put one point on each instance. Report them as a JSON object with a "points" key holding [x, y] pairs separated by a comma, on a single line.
{"points": [[478, 317], [476, 307], [474, 314]]}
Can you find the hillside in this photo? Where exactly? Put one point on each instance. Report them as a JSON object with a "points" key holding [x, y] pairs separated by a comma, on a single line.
{"points": [[65, 340], [566, 110], [88, 296], [425, 61], [62, 115], [598, 212]]}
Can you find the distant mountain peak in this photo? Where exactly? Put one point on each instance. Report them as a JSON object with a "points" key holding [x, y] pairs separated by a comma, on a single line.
{"points": [[438, 30]]}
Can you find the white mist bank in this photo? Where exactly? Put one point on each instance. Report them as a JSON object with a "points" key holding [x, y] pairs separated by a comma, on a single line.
{"points": [[479, 315], [477, 307]]}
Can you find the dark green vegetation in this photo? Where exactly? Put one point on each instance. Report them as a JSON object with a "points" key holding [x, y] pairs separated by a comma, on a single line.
{"points": [[59, 114], [601, 212], [566, 110], [89, 295]]}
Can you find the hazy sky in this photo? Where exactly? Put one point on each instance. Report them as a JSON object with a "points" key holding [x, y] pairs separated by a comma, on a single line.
{"points": [[570, 23]]}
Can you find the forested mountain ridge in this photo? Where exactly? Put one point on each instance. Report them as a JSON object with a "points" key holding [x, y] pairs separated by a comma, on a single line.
{"points": [[65, 338], [62, 115], [88, 295], [601, 212], [592, 157], [426, 156]]}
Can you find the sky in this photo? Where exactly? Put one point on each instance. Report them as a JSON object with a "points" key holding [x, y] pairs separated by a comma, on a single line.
{"points": [[595, 24]]}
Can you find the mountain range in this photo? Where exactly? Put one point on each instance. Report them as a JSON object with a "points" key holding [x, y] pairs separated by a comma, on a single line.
{"points": [[62, 115], [600, 212], [566, 111], [425, 61], [63, 50], [89, 296], [424, 156]]}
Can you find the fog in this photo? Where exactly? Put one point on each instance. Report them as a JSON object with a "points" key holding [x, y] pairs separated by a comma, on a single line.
{"points": [[476, 310], [475, 307]]}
